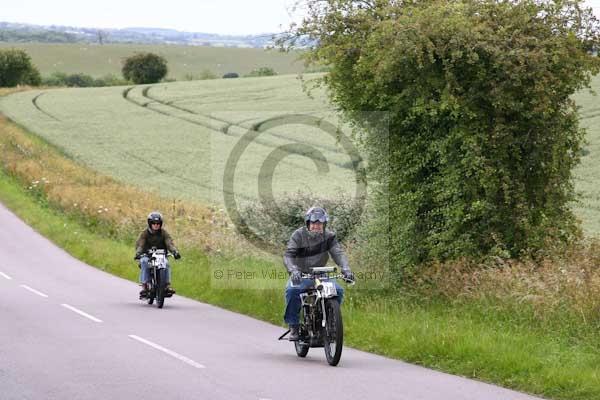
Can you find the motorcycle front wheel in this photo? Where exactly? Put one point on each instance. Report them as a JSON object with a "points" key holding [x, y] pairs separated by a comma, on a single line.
{"points": [[333, 339], [161, 287], [151, 293]]}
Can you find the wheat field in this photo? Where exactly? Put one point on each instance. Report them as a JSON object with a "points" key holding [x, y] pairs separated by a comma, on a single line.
{"points": [[178, 138]]}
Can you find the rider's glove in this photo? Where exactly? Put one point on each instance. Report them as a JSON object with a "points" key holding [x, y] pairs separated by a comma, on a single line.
{"points": [[296, 277], [176, 255], [348, 275]]}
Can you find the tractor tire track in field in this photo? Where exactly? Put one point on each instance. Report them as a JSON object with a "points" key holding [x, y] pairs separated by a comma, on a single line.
{"points": [[213, 101], [36, 105], [147, 105], [254, 127], [308, 153], [224, 129], [145, 162]]}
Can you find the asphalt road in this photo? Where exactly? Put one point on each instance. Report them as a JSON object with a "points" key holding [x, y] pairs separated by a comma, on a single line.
{"points": [[70, 331]]}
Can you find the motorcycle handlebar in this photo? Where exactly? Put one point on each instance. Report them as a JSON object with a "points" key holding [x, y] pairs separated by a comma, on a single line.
{"points": [[149, 254], [337, 276]]}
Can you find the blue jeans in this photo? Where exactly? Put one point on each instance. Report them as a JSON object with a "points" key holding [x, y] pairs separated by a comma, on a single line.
{"points": [[145, 270], [293, 301]]}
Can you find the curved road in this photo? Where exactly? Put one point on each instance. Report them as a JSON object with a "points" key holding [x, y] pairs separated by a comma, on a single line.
{"points": [[70, 331]]}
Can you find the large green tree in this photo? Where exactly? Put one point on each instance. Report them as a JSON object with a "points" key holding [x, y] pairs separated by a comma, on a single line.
{"points": [[16, 68], [483, 134], [144, 68]]}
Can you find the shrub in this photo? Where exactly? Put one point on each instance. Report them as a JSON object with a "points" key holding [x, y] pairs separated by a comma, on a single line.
{"points": [[110, 80], [16, 69], [55, 79], [275, 223], [72, 80], [262, 71], [204, 75], [144, 68], [79, 80]]}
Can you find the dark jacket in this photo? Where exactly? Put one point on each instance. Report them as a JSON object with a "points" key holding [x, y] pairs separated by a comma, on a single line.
{"points": [[307, 251], [159, 239]]}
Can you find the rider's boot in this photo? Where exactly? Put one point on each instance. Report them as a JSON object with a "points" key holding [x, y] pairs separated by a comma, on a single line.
{"points": [[294, 333], [144, 291]]}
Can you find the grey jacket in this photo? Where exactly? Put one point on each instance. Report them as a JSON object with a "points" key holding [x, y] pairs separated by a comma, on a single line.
{"points": [[305, 251]]}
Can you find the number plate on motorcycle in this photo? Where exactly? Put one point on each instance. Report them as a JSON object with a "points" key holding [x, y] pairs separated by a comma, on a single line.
{"points": [[160, 260], [329, 289]]}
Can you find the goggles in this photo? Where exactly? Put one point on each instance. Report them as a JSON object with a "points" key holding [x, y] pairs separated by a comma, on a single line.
{"points": [[317, 218]]}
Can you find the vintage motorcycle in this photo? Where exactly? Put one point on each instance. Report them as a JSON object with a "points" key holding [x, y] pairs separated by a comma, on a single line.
{"points": [[157, 287], [320, 316]]}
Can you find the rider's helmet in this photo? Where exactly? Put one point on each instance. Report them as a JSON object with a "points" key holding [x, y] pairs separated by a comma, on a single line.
{"points": [[315, 214], [153, 218]]}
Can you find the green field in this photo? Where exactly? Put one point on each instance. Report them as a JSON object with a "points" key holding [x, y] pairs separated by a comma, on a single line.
{"points": [[99, 60], [588, 172], [176, 138]]}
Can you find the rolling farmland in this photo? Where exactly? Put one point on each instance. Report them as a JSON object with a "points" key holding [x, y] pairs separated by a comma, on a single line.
{"points": [[176, 138], [99, 60]]}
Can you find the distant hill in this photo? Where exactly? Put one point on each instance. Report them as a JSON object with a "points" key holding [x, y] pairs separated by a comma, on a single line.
{"points": [[23, 33]]}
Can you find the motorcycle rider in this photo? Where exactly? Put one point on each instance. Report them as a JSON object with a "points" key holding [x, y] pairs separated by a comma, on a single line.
{"points": [[154, 236], [309, 247]]}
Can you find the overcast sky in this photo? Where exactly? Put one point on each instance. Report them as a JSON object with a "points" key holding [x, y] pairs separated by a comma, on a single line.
{"points": [[211, 16]]}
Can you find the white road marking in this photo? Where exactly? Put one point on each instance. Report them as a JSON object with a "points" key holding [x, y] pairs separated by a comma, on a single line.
{"points": [[6, 276], [32, 290], [83, 314], [169, 352]]}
